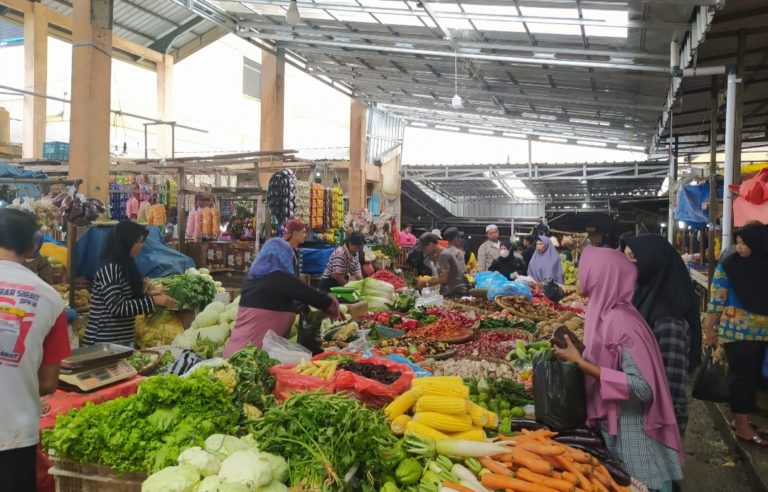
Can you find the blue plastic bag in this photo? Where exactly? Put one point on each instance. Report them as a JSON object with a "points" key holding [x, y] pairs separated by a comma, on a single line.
{"points": [[485, 280], [420, 371], [509, 289]]}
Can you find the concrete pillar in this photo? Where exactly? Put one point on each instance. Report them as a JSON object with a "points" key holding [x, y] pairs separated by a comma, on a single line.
{"points": [[91, 77], [357, 129], [272, 109], [165, 106], [35, 79]]}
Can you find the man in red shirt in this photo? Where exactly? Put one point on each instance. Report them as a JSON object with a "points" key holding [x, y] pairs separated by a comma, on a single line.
{"points": [[33, 341]]}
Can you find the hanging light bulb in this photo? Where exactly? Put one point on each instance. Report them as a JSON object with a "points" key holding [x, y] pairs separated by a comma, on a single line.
{"points": [[293, 17], [456, 102]]}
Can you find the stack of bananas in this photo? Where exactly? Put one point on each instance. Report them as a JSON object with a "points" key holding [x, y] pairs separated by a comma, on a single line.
{"points": [[337, 207], [441, 409], [323, 369]]}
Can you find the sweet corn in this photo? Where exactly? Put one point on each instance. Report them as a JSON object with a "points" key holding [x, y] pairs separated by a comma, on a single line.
{"points": [[403, 403], [442, 386], [443, 404], [493, 421], [443, 422], [399, 423], [424, 431], [479, 414], [471, 435]]}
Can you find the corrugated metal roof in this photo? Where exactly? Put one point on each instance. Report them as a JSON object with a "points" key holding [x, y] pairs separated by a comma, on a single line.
{"points": [[148, 21]]}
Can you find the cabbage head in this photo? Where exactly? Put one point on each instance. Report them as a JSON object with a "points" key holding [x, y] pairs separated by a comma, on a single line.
{"points": [[182, 478]]}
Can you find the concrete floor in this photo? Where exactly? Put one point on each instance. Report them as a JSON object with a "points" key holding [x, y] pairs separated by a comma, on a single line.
{"points": [[711, 465]]}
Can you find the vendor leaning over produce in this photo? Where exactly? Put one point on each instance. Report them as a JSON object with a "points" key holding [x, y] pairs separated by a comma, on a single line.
{"points": [[628, 398], [507, 263], [344, 264], [450, 272], [545, 263], [489, 250], [39, 263], [118, 291], [269, 292], [528, 250], [455, 244], [34, 341]]}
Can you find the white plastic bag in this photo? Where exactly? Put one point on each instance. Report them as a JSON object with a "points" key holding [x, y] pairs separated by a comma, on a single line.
{"points": [[284, 350]]}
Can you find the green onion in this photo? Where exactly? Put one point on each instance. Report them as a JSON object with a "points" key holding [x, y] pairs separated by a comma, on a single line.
{"points": [[452, 447]]}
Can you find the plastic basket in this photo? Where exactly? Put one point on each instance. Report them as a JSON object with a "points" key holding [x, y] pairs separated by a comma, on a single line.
{"points": [[73, 477], [57, 151]]}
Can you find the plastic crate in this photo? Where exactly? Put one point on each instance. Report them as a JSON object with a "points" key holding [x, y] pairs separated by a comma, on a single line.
{"points": [[72, 477], [57, 151]]}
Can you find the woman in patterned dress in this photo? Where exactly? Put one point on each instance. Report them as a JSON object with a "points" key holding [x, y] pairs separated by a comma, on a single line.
{"points": [[738, 307], [628, 399]]}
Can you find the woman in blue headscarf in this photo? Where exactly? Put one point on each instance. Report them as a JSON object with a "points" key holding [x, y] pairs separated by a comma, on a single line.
{"points": [[267, 301], [545, 262]]}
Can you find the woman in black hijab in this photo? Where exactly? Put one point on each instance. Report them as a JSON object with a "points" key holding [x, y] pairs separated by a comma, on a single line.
{"points": [[507, 263], [665, 297], [117, 291], [738, 307]]}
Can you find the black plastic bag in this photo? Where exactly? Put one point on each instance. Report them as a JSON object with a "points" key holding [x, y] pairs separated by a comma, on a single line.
{"points": [[711, 382], [309, 335], [559, 395], [553, 291]]}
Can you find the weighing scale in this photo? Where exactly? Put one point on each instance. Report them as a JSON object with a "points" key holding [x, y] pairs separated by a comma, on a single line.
{"points": [[345, 294], [96, 366]]}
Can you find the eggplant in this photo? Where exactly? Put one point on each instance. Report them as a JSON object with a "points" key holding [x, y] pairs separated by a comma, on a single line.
{"points": [[618, 473], [587, 441], [578, 431], [527, 424]]}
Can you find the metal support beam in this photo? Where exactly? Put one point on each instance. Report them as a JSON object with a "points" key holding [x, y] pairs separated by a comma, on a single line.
{"points": [[713, 202], [730, 162], [163, 44]]}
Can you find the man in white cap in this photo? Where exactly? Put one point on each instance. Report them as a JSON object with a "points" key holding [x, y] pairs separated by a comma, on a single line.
{"points": [[489, 250]]}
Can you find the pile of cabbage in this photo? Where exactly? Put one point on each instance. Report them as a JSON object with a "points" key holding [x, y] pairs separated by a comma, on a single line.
{"points": [[375, 292], [226, 464], [211, 327]]}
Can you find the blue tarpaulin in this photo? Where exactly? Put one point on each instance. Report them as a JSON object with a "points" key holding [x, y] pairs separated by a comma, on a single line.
{"points": [[314, 260], [154, 260], [690, 205], [25, 189]]}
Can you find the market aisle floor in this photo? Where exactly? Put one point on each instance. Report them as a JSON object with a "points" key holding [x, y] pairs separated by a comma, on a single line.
{"points": [[710, 465]]}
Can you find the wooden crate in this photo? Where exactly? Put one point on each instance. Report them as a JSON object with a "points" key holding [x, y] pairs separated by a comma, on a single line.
{"points": [[358, 309]]}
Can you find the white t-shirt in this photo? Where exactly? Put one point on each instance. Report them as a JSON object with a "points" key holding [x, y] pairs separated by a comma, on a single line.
{"points": [[33, 331]]}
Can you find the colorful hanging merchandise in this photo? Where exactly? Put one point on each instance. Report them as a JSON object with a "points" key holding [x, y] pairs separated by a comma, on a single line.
{"points": [[156, 215], [302, 201], [752, 200], [337, 207], [281, 195], [317, 206]]}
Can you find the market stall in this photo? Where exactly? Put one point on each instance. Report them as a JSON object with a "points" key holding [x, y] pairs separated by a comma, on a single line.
{"points": [[411, 396]]}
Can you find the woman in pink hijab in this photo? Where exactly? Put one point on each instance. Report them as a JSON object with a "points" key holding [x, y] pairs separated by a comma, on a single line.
{"points": [[628, 398]]}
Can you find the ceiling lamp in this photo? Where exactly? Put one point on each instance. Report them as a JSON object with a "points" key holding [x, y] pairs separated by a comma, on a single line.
{"points": [[293, 17], [456, 102]]}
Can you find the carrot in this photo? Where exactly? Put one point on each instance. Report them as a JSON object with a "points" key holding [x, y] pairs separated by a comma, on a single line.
{"points": [[531, 461], [495, 466], [542, 449], [619, 488], [552, 461], [597, 486], [603, 476], [570, 477], [456, 486], [555, 483], [578, 455], [570, 467], [503, 457], [494, 481]]}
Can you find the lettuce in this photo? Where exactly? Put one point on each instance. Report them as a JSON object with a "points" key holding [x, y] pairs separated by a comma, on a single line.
{"points": [[181, 478]]}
